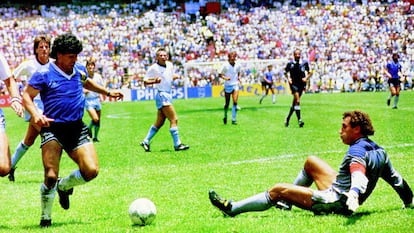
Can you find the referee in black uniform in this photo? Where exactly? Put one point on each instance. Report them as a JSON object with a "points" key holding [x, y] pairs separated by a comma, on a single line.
{"points": [[297, 73]]}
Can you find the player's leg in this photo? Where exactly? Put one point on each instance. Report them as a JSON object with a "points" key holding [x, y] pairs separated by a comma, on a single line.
{"points": [[263, 92], [392, 91], [273, 94], [51, 154], [31, 134], [171, 115], [296, 107], [314, 170], [226, 105], [235, 97], [300, 196], [318, 171], [397, 96], [4, 154], [97, 125], [294, 90]]}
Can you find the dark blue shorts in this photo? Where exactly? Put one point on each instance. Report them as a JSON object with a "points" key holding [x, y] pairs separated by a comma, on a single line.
{"points": [[70, 135]]}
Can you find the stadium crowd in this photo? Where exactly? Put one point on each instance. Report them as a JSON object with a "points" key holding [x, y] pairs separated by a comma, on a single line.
{"points": [[347, 44]]}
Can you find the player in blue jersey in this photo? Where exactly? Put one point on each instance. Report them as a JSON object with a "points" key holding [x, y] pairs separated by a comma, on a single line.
{"points": [[230, 73], [161, 75], [61, 89], [393, 73], [339, 192], [26, 69], [7, 77], [93, 100], [267, 84], [297, 73]]}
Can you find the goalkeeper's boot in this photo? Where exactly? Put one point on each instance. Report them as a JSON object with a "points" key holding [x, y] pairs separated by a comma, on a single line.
{"points": [[283, 205], [301, 123], [221, 203]]}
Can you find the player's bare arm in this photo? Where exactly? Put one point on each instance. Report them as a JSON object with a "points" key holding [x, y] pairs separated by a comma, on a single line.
{"points": [[95, 87], [151, 81], [16, 103], [37, 118]]}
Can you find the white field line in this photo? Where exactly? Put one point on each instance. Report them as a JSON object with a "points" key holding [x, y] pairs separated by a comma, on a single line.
{"points": [[270, 159]]}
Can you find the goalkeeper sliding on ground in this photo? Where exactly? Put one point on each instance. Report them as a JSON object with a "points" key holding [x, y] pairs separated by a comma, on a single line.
{"points": [[339, 192]]}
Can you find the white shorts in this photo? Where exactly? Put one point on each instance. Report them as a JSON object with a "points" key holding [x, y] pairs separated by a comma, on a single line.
{"points": [[325, 196], [94, 103], [162, 99]]}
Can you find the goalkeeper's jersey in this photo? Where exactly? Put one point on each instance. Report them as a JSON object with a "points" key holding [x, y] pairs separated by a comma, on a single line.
{"points": [[373, 158]]}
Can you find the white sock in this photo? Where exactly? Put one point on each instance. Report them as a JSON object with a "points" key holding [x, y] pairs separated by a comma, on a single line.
{"points": [[74, 179], [21, 149], [258, 202], [46, 199]]}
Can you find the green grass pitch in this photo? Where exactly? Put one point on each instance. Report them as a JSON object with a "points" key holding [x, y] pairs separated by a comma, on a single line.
{"points": [[235, 160]]}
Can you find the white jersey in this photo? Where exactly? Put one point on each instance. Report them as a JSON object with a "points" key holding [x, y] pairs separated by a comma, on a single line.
{"points": [[4, 68], [27, 68], [99, 80], [231, 72], [165, 73]]}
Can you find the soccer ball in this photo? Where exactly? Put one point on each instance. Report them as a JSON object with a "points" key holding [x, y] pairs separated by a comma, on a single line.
{"points": [[142, 211]]}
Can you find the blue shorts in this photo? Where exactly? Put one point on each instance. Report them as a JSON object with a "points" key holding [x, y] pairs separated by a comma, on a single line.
{"points": [[94, 103], [394, 82], [162, 99], [69, 135], [2, 121], [231, 88], [39, 106]]}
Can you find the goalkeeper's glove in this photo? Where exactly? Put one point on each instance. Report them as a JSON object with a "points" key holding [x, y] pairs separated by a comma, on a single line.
{"points": [[352, 200]]}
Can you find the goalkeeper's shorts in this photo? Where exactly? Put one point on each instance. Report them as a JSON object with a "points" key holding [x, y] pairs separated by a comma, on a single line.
{"points": [[329, 201]]}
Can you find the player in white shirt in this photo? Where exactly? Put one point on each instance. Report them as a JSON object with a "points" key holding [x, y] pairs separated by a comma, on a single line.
{"points": [[230, 73], [93, 100], [41, 49], [161, 75], [16, 104]]}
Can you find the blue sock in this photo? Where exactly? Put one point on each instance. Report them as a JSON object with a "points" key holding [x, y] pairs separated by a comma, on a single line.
{"points": [[234, 112], [151, 133], [175, 136]]}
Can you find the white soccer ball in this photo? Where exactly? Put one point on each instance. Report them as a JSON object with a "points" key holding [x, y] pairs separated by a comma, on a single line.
{"points": [[142, 211]]}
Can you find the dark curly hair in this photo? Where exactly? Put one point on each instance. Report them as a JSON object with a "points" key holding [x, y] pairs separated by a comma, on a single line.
{"points": [[66, 44], [358, 118]]}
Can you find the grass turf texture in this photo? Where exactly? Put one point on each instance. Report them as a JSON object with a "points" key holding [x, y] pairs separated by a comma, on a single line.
{"points": [[236, 160]]}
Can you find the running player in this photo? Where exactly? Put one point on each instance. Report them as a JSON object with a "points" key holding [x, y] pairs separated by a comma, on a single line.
{"points": [[93, 100], [161, 74], [230, 73], [393, 72], [267, 84], [7, 77], [41, 50], [61, 89]]}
